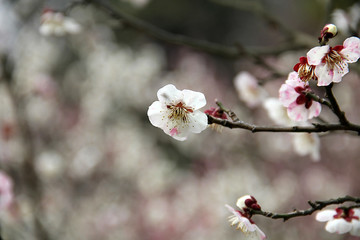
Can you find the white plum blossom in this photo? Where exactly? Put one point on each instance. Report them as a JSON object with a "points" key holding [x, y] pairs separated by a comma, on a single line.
{"points": [[249, 90], [341, 220], [277, 112], [292, 95], [177, 112], [6, 191], [331, 63], [55, 23], [307, 144], [245, 224]]}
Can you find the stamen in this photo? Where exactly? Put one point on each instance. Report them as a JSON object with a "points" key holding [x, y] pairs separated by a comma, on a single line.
{"points": [[179, 112]]}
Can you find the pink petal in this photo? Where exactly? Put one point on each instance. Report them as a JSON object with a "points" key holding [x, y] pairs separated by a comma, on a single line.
{"points": [[297, 112], [339, 226], [325, 215], [351, 50], [316, 54], [261, 233], [314, 110], [287, 95]]}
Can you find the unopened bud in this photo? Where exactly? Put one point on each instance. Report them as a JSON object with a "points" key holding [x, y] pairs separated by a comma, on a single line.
{"points": [[329, 31], [248, 201]]}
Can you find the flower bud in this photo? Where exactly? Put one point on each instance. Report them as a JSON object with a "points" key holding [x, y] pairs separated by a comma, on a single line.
{"points": [[248, 201], [329, 31]]}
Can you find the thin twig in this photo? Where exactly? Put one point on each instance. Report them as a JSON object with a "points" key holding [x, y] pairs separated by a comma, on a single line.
{"points": [[315, 206]]}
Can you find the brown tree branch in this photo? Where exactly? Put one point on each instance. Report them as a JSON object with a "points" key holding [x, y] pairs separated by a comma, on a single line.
{"points": [[315, 206]]}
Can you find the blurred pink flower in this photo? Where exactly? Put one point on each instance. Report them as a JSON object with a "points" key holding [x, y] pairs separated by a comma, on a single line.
{"points": [[341, 220], [292, 95], [55, 23], [331, 63], [245, 224], [6, 191], [249, 90], [177, 112]]}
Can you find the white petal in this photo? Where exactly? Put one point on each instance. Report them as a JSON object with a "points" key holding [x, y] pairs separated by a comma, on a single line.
{"points": [[157, 114], [260, 233], [193, 99], [325, 215], [46, 29], [324, 74], [339, 226], [71, 26], [307, 143], [357, 212], [355, 231], [316, 54], [351, 50], [287, 95], [198, 122], [169, 94]]}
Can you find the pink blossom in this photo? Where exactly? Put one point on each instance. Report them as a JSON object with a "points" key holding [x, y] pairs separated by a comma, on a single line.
{"points": [[249, 90], [331, 63], [177, 112], [292, 95], [341, 220], [6, 191]]}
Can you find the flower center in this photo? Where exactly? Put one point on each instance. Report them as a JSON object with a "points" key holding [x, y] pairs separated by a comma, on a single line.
{"points": [[306, 72], [179, 112], [302, 98], [347, 214], [335, 61]]}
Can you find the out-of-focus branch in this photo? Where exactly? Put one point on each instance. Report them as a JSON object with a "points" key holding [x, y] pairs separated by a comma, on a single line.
{"points": [[315, 206], [31, 182], [202, 45]]}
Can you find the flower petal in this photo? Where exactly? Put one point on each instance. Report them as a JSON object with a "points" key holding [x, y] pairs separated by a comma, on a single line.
{"points": [[325, 75], [169, 94], [314, 110], [157, 114], [325, 215], [193, 99], [339, 226], [260, 233], [198, 122], [351, 50], [355, 231], [316, 54], [287, 95], [297, 112]]}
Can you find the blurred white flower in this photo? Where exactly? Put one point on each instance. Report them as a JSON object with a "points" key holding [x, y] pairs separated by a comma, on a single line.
{"points": [[245, 224], [249, 90], [55, 23], [177, 112], [347, 22], [307, 144], [8, 26], [341, 220], [6, 191], [49, 164], [276, 111]]}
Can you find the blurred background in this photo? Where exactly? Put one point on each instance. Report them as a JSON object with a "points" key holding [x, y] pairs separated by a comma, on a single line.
{"points": [[86, 163]]}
